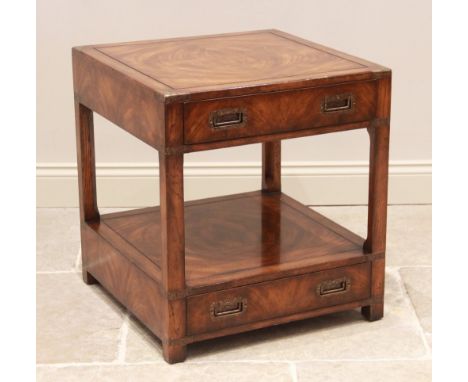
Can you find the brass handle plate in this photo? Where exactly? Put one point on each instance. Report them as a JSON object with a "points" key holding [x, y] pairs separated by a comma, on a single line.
{"points": [[340, 102], [228, 307], [226, 118], [331, 287]]}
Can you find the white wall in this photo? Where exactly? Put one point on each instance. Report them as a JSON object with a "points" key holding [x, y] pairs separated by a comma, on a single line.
{"points": [[395, 33]]}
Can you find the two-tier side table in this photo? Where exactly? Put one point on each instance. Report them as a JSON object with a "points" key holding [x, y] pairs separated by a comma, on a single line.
{"points": [[208, 268]]}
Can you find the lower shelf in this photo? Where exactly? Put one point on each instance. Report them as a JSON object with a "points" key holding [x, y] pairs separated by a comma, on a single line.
{"points": [[252, 260], [236, 240]]}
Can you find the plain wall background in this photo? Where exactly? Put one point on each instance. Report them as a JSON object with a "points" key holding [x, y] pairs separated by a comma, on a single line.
{"points": [[396, 34]]}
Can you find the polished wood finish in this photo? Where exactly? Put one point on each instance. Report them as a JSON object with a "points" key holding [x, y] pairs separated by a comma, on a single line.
{"points": [[121, 99], [129, 284], [226, 59], [135, 96], [224, 65], [271, 166], [275, 321], [282, 135], [86, 179], [219, 256], [172, 237], [232, 307], [196, 270], [378, 189], [279, 112]]}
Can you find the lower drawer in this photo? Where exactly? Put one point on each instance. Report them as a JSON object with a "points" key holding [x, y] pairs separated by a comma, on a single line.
{"points": [[257, 302]]}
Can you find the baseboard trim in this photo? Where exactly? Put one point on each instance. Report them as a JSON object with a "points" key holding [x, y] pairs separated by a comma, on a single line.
{"points": [[314, 183]]}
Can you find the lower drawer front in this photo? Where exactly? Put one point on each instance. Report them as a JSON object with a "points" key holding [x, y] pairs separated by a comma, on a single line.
{"points": [[237, 306]]}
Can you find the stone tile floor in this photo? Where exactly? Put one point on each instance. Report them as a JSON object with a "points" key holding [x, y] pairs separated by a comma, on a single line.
{"points": [[85, 335]]}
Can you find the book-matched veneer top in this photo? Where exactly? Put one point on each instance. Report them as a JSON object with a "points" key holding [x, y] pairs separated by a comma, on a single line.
{"points": [[227, 61]]}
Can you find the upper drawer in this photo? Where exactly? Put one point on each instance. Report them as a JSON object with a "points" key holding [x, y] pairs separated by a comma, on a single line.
{"points": [[248, 116]]}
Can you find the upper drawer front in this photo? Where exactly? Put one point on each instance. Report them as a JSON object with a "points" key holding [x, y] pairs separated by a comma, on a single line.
{"points": [[248, 116], [217, 310]]}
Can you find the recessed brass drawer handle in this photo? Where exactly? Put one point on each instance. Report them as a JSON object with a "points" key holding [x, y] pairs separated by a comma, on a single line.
{"points": [[341, 102], [329, 287], [228, 307], [228, 118]]}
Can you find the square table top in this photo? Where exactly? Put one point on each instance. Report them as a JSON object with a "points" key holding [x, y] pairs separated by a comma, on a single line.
{"points": [[268, 60]]}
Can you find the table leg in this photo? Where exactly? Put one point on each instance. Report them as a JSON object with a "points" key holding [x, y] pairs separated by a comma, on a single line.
{"points": [[271, 166], [86, 178], [173, 254], [378, 190]]}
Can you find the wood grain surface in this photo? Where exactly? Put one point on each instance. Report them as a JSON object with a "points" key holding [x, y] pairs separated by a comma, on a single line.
{"points": [[230, 64], [271, 299], [226, 60], [230, 240], [202, 269], [279, 112]]}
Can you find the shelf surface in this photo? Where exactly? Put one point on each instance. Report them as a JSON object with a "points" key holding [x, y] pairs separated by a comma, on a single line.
{"points": [[244, 236]]}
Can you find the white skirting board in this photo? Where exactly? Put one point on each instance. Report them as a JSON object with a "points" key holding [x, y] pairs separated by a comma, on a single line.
{"points": [[312, 183]]}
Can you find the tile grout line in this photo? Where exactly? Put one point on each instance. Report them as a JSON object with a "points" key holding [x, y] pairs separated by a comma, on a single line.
{"points": [[122, 345], [55, 272], [293, 371], [410, 304], [247, 361], [370, 360], [77, 261], [74, 269]]}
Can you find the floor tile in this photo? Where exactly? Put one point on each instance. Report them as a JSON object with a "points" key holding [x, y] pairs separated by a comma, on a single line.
{"points": [[418, 283], [429, 339], [58, 238], [409, 235], [142, 345], [391, 371], [409, 230], [352, 217], [75, 322], [234, 372], [337, 336]]}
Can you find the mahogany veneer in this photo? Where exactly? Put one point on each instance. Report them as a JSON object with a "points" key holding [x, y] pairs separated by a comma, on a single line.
{"points": [[203, 269]]}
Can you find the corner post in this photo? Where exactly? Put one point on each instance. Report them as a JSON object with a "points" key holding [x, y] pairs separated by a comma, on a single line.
{"points": [[271, 166], [86, 165], [375, 243], [171, 175]]}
